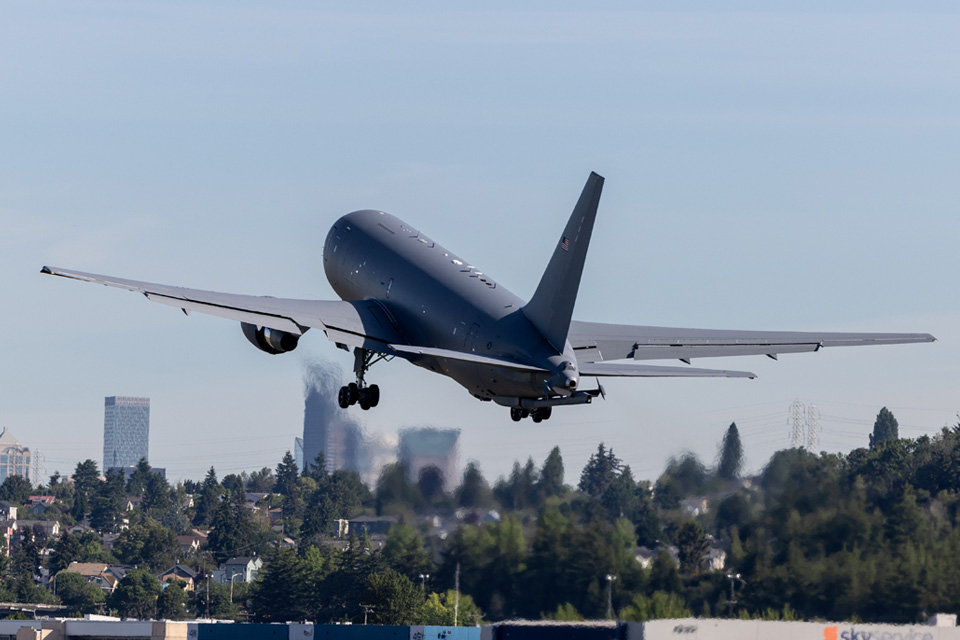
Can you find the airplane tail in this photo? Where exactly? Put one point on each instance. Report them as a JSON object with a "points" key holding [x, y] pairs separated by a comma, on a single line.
{"points": [[551, 307]]}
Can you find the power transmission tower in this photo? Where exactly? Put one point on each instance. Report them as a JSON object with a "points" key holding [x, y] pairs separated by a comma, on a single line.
{"points": [[38, 464], [797, 421], [813, 428]]}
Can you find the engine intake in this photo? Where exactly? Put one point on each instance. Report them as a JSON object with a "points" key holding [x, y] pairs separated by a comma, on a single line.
{"points": [[273, 341]]}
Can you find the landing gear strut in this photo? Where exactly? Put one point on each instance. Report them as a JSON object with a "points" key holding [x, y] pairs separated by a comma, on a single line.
{"points": [[542, 413], [358, 392]]}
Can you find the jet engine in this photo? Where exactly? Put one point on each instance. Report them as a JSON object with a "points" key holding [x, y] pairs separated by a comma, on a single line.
{"points": [[273, 341]]}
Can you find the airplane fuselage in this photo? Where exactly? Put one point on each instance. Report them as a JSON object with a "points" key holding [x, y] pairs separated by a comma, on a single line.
{"points": [[443, 301]]}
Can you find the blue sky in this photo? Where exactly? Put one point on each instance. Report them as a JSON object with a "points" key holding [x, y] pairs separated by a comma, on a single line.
{"points": [[791, 169]]}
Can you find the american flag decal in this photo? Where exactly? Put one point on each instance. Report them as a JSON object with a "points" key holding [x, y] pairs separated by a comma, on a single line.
{"points": [[565, 243]]}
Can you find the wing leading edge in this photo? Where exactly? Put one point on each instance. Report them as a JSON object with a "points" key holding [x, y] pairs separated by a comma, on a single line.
{"points": [[364, 324], [597, 342]]}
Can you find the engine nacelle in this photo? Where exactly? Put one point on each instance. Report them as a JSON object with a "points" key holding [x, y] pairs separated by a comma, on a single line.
{"points": [[273, 341]]}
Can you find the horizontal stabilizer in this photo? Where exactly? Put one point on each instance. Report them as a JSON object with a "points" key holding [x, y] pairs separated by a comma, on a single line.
{"points": [[610, 369], [464, 357]]}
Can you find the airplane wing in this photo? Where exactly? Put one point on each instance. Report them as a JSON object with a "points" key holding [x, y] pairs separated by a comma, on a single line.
{"points": [[364, 324], [654, 371], [596, 342]]}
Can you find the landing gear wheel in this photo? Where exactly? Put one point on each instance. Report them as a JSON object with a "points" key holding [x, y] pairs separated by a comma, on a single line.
{"points": [[343, 398], [546, 412], [354, 392], [515, 414], [536, 416], [364, 402], [373, 395]]}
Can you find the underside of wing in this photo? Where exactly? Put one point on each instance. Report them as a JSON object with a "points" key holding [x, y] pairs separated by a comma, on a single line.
{"points": [[464, 356], [366, 324], [613, 369], [596, 342]]}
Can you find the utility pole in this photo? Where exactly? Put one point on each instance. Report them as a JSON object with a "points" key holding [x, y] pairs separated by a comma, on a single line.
{"points": [[366, 609], [208, 596], [456, 598]]}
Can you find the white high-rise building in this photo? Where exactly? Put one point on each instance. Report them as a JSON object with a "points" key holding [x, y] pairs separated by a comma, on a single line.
{"points": [[14, 457], [126, 431]]}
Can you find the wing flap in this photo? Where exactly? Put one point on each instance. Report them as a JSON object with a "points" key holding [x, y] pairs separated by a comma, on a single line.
{"points": [[608, 369]]}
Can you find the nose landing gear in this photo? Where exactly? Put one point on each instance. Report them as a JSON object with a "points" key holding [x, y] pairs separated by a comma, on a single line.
{"points": [[358, 392]]}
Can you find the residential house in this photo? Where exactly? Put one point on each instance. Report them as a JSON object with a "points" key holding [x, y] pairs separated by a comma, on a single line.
{"points": [[46, 500], [8, 511], [180, 572], [189, 544], [695, 506], [715, 559], [370, 525], [246, 569], [646, 556], [99, 574], [50, 527]]}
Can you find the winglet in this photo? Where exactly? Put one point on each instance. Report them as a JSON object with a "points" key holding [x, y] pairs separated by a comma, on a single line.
{"points": [[551, 307]]}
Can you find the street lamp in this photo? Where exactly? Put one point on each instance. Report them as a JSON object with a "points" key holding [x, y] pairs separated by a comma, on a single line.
{"points": [[610, 579], [232, 577], [423, 581], [733, 599]]}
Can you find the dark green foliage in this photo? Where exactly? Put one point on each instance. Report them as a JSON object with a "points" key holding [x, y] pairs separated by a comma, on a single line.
{"points": [[885, 428], [136, 595], [234, 533], [601, 471], [107, 503], [172, 602], [473, 492], [210, 493], [394, 598], [430, 483], [396, 492], [692, 546], [138, 479], [74, 591], [731, 454], [287, 473], [15, 490], [147, 543], [261, 481], [86, 481], [551, 475], [404, 552]]}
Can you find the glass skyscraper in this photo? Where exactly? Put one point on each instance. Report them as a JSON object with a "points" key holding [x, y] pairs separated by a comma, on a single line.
{"points": [[126, 431], [14, 457]]}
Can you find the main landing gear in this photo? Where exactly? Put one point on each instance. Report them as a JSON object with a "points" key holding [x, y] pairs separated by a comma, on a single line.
{"points": [[358, 392], [543, 413]]}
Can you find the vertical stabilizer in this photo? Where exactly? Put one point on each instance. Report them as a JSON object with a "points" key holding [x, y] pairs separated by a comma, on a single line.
{"points": [[551, 307]]}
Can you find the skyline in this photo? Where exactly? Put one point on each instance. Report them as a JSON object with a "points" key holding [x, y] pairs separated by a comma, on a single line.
{"points": [[764, 171]]}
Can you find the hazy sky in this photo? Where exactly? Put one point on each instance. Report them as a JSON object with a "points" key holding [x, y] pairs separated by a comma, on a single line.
{"points": [[796, 169]]}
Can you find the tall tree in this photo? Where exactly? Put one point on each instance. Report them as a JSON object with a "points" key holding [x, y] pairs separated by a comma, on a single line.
{"points": [[210, 492], [731, 454], [885, 428], [473, 490], [551, 476], [15, 490], [394, 598], [86, 480], [692, 546], [287, 474], [601, 470]]}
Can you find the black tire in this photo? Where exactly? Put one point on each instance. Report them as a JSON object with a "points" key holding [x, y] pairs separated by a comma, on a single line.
{"points": [[546, 412], [515, 415], [343, 398], [536, 416], [354, 392], [373, 395]]}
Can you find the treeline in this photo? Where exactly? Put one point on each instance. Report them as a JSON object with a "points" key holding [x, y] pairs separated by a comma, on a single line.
{"points": [[870, 535]]}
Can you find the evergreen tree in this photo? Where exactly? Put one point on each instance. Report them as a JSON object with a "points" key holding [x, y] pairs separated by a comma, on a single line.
{"points": [[172, 602], [551, 475], [430, 481], [287, 473], [601, 471], [86, 480], [473, 490], [106, 513], [210, 492], [15, 490], [884, 428], [692, 546], [147, 543], [731, 454], [138, 479], [280, 594]]}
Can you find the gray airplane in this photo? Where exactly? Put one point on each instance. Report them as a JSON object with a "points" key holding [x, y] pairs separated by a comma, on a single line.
{"points": [[403, 295]]}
